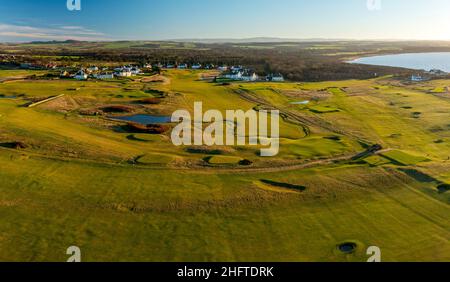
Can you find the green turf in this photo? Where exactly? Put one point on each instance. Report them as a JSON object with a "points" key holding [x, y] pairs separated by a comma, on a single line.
{"points": [[83, 180]]}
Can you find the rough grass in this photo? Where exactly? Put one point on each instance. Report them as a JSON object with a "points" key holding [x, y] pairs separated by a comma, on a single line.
{"points": [[122, 213], [81, 182]]}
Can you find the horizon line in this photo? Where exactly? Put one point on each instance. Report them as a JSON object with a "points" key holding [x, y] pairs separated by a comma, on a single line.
{"points": [[230, 40]]}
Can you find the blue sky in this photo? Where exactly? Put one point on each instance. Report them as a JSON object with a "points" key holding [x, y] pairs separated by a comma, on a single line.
{"points": [[27, 20]]}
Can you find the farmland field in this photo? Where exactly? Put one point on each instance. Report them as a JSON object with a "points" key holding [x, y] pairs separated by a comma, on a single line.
{"points": [[72, 175]]}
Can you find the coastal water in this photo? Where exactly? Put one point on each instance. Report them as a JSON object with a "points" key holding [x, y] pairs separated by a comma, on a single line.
{"points": [[419, 61]]}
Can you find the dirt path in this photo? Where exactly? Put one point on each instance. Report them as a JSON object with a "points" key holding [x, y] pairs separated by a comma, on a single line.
{"points": [[220, 170]]}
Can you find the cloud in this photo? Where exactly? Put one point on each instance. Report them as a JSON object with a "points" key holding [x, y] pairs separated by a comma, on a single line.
{"points": [[24, 32]]}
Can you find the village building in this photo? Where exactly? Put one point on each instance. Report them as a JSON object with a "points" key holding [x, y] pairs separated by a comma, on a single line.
{"points": [[104, 76], [196, 66], [182, 66], [437, 72], [417, 78], [92, 69], [234, 75], [64, 74], [236, 68], [277, 77], [25, 66], [123, 73], [222, 68], [127, 71], [249, 76], [81, 75], [135, 70]]}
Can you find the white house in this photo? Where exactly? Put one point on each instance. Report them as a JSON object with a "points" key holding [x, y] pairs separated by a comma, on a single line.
{"points": [[123, 73], [235, 75], [182, 66], [437, 72], [135, 70], [92, 69], [278, 77], [196, 66], [127, 71], [249, 76], [104, 76], [222, 68], [81, 75], [417, 78], [236, 68]]}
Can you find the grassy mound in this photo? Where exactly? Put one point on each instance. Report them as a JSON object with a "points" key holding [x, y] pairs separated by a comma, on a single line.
{"points": [[323, 109], [223, 160], [154, 159], [156, 93]]}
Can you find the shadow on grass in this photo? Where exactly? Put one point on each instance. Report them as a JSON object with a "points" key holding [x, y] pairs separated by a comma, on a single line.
{"points": [[283, 185], [418, 176]]}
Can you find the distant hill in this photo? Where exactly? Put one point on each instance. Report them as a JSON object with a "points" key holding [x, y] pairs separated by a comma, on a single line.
{"points": [[254, 40]]}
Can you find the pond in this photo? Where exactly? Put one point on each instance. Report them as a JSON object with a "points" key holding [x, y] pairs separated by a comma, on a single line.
{"points": [[7, 97], [144, 119], [348, 247], [418, 61], [300, 103]]}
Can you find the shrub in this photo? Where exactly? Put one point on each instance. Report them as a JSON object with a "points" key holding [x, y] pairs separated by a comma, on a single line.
{"points": [[245, 162]]}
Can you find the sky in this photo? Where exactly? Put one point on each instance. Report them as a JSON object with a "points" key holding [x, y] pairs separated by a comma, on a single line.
{"points": [[34, 20]]}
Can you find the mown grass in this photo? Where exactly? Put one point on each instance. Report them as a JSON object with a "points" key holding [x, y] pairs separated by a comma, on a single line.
{"points": [[223, 160], [403, 158], [122, 213], [136, 197]]}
